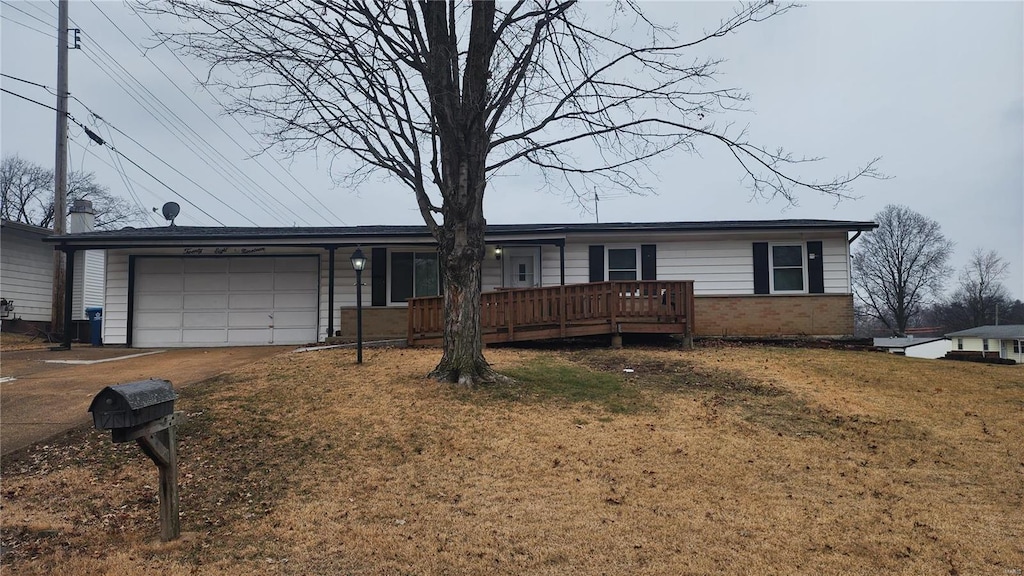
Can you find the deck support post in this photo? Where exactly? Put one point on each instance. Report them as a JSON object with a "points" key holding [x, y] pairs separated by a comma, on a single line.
{"points": [[616, 341]]}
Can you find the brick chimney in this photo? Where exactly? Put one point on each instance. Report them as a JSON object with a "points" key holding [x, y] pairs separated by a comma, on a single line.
{"points": [[82, 217]]}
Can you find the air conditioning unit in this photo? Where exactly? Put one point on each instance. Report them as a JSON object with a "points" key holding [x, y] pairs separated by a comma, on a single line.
{"points": [[6, 307]]}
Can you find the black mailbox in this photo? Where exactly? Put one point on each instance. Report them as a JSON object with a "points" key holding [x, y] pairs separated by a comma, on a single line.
{"points": [[132, 404]]}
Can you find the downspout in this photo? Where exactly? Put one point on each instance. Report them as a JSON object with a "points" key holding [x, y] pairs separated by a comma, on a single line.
{"points": [[855, 236], [561, 262], [330, 290]]}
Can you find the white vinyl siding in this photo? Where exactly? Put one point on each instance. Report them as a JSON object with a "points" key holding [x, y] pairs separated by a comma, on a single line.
{"points": [[115, 303], [89, 276], [26, 275], [717, 267]]}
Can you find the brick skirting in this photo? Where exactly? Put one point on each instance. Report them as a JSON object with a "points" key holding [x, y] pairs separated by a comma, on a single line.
{"points": [[774, 315], [379, 323]]}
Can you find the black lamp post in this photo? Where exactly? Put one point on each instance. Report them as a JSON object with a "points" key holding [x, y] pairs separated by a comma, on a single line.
{"points": [[358, 263]]}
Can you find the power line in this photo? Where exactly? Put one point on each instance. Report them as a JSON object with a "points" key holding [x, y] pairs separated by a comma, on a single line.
{"points": [[36, 18], [213, 152], [208, 117], [122, 80], [168, 128], [156, 196], [23, 25], [43, 86], [240, 125], [134, 163]]}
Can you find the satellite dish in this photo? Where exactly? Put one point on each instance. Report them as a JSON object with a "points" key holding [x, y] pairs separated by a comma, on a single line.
{"points": [[170, 211]]}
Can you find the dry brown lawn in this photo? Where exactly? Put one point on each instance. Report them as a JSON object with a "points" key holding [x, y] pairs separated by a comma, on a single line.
{"points": [[732, 460], [10, 341]]}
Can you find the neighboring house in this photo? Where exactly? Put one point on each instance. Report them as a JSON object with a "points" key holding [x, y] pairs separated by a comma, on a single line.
{"points": [[915, 347], [26, 270], [195, 286], [1004, 341]]}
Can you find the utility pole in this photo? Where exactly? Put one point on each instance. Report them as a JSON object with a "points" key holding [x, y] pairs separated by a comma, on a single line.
{"points": [[60, 169]]}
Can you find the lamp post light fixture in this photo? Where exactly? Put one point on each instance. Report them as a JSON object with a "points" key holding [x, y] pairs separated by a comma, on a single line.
{"points": [[358, 263]]}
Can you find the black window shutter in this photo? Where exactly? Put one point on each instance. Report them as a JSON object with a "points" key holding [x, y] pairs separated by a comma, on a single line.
{"points": [[649, 262], [597, 263], [402, 265], [815, 268], [761, 268], [379, 277]]}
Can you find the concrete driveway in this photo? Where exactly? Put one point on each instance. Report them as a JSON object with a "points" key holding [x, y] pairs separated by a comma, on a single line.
{"points": [[41, 399]]}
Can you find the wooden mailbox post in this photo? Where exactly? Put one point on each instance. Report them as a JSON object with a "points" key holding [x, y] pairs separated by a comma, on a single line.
{"points": [[144, 411]]}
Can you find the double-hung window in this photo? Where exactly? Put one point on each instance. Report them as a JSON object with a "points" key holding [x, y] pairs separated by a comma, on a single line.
{"points": [[788, 272], [623, 264], [959, 343], [1016, 346], [984, 344], [414, 274]]}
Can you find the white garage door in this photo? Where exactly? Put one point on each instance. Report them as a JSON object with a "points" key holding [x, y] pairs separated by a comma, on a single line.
{"points": [[225, 301]]}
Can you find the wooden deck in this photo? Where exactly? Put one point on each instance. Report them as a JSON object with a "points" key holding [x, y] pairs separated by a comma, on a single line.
{"points": [[633, 307]]}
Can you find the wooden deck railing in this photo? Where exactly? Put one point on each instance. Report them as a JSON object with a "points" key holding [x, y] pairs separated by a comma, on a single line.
{"points": [[647, 306]]}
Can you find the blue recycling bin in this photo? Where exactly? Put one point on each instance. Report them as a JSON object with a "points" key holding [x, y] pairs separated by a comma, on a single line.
{"points": [[95, 316]]}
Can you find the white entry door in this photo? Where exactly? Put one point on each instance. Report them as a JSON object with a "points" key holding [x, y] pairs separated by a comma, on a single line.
{"points": [[521, 268], [229, 301]]}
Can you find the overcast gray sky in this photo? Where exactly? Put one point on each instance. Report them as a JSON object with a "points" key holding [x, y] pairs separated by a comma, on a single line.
{"points": [[935, 89]]}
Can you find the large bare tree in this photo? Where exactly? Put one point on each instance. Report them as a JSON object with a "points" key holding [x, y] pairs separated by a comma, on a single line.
{"points": [[900, 267], [441, 96], [26, 195]]}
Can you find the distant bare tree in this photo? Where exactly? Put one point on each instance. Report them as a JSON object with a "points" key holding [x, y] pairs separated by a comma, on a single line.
{"points": [[441, 96], [980, 293], [27, 196], [901, 266]]}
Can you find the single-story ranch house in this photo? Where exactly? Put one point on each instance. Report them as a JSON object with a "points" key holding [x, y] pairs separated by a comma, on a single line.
{"points": [[1004, 341], [197, 286]]}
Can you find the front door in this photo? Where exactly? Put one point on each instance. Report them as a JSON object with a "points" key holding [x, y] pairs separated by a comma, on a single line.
{"points": [[521, 269]]}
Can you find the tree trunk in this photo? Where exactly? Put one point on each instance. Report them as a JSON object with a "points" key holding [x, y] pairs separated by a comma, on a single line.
{"points": [[461, 252]]}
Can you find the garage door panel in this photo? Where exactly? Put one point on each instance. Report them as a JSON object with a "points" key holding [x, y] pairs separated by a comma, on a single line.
{"points": [[203, 282], [158, 320], [206, 301], [206, 266], [159, 266], [294, 335], [204, 320], [306, 265], [149, 338], [244, 336], [157, 302], [290, 319], [251, 302], [158, 283], [209, 336], [251, 282], [292, 300], [294, 281], [249, 319]]}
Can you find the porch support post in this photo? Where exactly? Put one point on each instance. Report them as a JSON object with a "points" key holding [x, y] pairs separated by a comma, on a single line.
{"points": [[69, 290], [330, 290], [561, 262]]}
